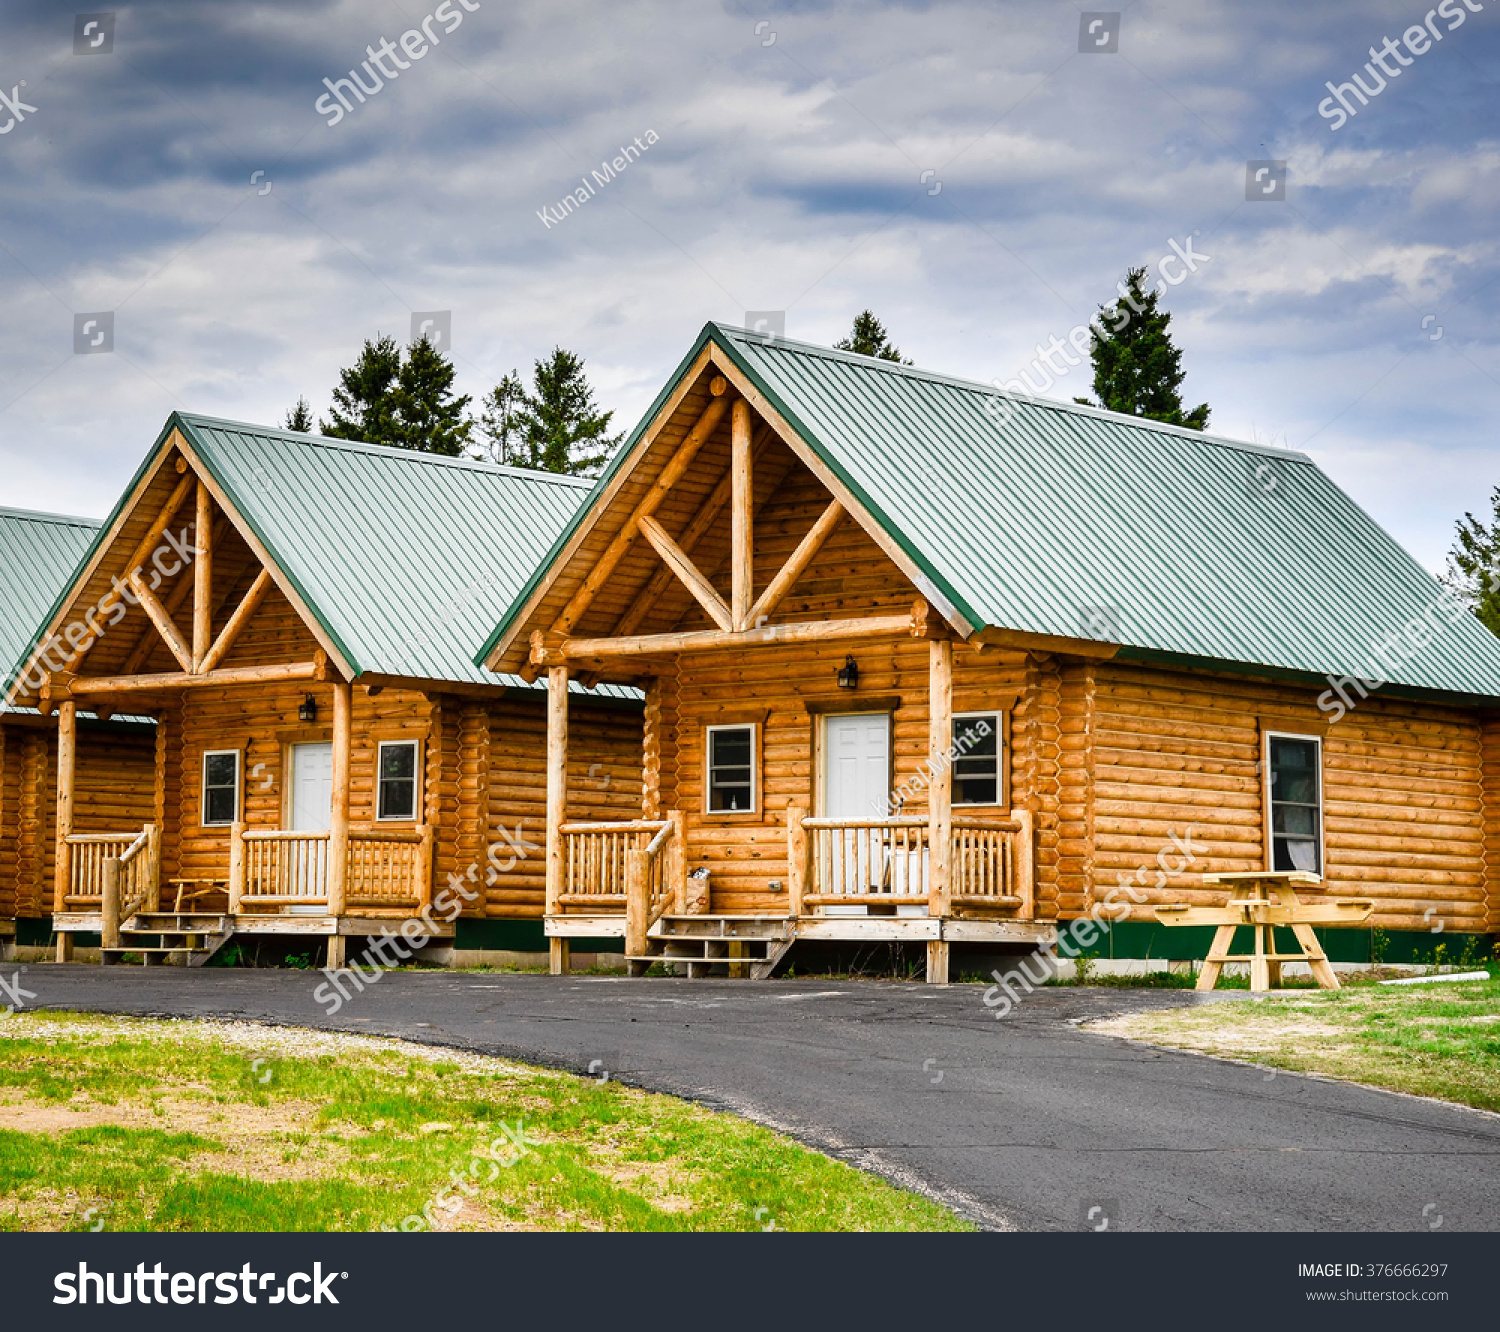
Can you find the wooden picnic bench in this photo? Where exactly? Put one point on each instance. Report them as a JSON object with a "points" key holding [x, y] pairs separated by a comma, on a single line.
{"points": [[1263, 900]]}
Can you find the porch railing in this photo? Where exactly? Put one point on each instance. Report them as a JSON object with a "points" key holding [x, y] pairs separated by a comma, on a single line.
{"points": [[594, 862], [273, 869], [863, 863], [390, 869], [139, 854], [879, 866], [651, 886]]}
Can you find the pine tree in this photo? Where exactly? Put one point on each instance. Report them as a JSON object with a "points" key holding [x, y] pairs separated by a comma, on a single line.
{"points": [[1474, 565], [300, 418], [364, 403], [868, 338], [406, 404], [557, 427], [1137, 368], [502, 425], [430, 419]]}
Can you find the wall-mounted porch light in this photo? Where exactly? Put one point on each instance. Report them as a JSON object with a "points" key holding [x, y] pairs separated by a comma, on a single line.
{"points": [[308, 712], [849, 674]]}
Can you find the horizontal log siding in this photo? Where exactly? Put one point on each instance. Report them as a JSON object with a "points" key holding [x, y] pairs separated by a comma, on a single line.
{"points": [[1404, 820]]}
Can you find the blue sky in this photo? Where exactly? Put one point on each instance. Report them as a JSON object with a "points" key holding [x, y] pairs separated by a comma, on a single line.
{"points": [[798, 150]]}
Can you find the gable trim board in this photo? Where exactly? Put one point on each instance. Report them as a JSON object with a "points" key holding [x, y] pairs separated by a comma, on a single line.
{"points": [[1061, 506]]}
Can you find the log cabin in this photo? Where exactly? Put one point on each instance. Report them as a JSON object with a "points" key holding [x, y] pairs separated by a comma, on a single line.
{"points": [[115, 755], [299, 615], [924, 661]]}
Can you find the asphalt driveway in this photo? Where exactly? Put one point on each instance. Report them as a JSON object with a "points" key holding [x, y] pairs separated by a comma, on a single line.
{"points": [[1025, 1123]]}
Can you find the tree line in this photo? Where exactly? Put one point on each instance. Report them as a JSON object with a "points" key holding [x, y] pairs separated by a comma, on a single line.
{"points": [[405, 399]]}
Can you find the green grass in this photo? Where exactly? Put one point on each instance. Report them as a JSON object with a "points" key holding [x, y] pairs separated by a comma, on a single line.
{"points": [[1440, 1039], [133, 1124]]}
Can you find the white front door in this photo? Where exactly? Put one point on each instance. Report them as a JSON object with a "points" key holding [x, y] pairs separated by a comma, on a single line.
{"points": [[856, 785], [312, 811]]}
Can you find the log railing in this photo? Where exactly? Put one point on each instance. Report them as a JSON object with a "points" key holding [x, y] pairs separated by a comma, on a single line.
{"points": [[390, 869], [270, 868], [867, 862], [279, 870], [652, 886], [594, 862], [990, 866], [139, 854], [855, 866]]}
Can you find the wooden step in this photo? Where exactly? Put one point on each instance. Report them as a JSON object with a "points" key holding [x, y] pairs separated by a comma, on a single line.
{"points": [[743, 928]]}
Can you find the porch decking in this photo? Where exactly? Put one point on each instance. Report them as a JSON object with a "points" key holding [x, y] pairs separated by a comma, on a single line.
{"points": [[849, 879], [275, 882]]}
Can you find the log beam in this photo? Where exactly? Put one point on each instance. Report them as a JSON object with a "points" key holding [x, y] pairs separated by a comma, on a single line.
{"points": [[677, 560], [615, 551], [203, 577], [796, 564], [742, 496], [166, 626], [221, 645], [86, 686], [575, 649]]}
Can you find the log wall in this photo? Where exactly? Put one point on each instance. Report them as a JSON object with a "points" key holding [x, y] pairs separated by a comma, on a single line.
{"points": [[114, 788]]}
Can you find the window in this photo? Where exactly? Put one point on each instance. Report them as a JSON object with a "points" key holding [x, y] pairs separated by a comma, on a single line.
{"points": [[1296, 799], [221, 787], [397, 764], [731, 769], [978, 753]]}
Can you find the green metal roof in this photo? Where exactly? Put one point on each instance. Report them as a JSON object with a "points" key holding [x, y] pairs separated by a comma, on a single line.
{"points": [[38, 554], [406, 559], [1051, 518]]}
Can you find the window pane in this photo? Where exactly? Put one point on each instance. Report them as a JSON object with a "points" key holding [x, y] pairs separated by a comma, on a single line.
{"points": [[977, 758], [1296, 804], [731, 775], [218, 805], [219, 769], [398, 761]]}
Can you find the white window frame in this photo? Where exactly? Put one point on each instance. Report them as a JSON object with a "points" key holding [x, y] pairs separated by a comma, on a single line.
{"points": [[416, 781], [996, 718], [239, 788], [708, 770], [1270, 849]]}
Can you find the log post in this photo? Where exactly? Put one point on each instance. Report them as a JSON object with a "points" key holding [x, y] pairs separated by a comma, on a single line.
{"points": [[637, 901], [236, 866], [1025, 864], [67, 739], [424, 869], [557, 802], [939, 795], [676, 866], [338, 820], [202, 577], [796, 859], [109, 931], [153, 866], [742, 499]]}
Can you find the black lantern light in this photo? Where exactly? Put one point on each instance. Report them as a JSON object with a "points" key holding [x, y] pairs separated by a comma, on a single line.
{"points": [[308, 712], [849, 674]]}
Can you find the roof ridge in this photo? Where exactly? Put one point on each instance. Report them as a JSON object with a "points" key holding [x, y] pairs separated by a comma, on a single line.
{"points": [[38, 516], [974, 385], [389, 451]]}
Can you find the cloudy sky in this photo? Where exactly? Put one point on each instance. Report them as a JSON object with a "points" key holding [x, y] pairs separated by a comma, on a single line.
{"points": [[966, 170]]}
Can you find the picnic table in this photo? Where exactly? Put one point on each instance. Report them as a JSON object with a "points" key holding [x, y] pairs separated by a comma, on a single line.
{"points": [[1263, 900]]}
